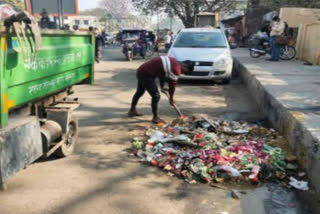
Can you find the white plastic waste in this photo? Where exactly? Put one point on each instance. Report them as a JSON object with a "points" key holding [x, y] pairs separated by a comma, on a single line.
{"points": [[241, 131], [300, 185], [159, 137], [177, 138], [229, 170], [156, 136], [145, 156]]}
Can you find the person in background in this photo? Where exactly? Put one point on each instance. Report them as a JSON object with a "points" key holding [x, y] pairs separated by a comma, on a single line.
{"points": [[266, 28], [152, 37], [103, 34], [168, 40], [100, 43], [173, 36], [231, 34], [238, 32], [163, 68], [44, 21], [277, 29]]}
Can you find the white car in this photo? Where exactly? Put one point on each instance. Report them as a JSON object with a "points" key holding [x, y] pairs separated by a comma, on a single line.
{"points": [[209, 49]]}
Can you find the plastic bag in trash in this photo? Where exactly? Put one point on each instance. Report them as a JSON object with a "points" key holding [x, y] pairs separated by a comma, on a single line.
{"points": [[300, 185], [145, 156], [156, 136], [178, 138], [136, 144], [241, 131], [229, 170]]}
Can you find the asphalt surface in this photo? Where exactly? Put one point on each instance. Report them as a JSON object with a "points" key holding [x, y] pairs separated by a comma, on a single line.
{"points": [[101, 177]]}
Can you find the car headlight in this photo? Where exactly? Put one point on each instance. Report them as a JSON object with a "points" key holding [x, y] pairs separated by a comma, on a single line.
{"points": [[223, 62]]}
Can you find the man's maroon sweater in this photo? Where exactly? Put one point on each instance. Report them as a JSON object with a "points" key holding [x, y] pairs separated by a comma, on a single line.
{"points": [[154, 68]]}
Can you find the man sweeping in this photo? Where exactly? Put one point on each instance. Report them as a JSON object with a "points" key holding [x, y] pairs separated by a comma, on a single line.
{"points": [[163, 68]]}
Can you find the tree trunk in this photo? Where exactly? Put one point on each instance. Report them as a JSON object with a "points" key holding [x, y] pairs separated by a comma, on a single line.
{"points": [[188, 21]]}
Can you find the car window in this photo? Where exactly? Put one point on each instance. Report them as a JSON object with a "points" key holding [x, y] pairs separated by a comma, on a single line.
{"points": [[131, 35], [200, 40]]}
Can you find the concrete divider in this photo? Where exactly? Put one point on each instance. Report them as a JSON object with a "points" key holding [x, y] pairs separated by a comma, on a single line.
{"points": [[298, 122]]}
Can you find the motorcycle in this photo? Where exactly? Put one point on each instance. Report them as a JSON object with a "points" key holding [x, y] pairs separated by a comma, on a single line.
{"points": [[132, 48], [260, 47]]}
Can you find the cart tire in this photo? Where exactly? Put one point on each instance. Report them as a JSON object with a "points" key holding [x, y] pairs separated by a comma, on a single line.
{"points": [[71, 138]]}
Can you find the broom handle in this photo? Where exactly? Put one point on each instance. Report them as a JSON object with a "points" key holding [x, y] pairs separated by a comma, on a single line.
{"points": [[175, 107]]}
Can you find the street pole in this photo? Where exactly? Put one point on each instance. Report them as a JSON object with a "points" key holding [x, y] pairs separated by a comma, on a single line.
{"points": [[58, 10], [170, 22], [62, 13], [25, 5], [158, 24]]}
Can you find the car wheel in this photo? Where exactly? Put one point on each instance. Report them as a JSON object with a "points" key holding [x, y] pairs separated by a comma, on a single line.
{"points": [[226, 81]]}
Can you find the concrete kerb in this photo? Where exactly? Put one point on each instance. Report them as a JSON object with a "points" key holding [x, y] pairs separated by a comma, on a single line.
{"points": [[303, 143]]}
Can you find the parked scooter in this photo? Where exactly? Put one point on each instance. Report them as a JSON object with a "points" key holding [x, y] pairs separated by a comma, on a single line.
{"points": [[259, 47]]}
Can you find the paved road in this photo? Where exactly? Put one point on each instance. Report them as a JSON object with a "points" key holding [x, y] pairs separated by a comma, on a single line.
{"points": [[101, 177]]}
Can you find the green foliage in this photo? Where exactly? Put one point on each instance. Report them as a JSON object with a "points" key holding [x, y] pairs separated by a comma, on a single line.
{"points": [[184, 9], [16, 4]]}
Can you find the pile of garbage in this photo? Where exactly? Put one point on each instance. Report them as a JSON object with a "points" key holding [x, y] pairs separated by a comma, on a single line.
{"points": [[199, 149]]}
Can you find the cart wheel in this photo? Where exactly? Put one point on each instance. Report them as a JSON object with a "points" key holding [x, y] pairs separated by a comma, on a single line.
{"points": [[71, 138]]}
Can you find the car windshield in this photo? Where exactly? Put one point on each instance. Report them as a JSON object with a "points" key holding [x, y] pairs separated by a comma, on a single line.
{"points": [[200, 40], [131, 35]]}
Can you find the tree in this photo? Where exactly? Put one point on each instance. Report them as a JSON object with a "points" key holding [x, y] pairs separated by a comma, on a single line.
{"points": [[184, 9], [16, 4], [116, 8]]}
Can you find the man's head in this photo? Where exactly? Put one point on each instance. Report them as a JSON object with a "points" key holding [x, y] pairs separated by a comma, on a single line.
{"points": [[187, 66], [276, 19]]}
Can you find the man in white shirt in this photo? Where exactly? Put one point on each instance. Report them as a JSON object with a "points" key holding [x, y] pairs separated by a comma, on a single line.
{"points": [[278, 27], [168, 40]]}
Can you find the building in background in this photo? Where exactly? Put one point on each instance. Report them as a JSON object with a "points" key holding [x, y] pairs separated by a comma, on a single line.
{"points": [[58, 10], [82, 22]]}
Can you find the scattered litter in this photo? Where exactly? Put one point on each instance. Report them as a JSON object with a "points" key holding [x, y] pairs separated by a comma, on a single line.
{"points": [[229, 170], [300, 185], [199, 149], [137, 144]]}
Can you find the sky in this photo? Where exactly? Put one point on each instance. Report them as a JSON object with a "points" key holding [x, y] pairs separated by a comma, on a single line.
{"points": [[87, 4]]}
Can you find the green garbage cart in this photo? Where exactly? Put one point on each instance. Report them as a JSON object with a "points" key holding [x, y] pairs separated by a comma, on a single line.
{"points": [[36, 114]]}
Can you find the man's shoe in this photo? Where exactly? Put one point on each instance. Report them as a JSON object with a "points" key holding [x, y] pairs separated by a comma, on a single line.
{"points": [[134, 114], [158, 120]]}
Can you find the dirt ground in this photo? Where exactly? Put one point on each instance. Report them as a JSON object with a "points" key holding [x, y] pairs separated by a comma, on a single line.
{"points": [[101, 177]]}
